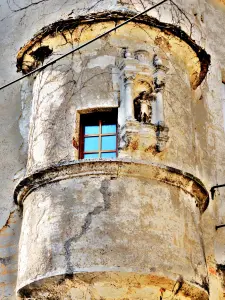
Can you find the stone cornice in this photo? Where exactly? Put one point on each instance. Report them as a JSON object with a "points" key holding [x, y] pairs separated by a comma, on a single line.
{"points": [[116, 168], [61, 26]]}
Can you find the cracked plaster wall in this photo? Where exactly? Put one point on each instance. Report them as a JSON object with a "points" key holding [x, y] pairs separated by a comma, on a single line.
{"points": [[72, 82], [205, 22], [101, 224]]}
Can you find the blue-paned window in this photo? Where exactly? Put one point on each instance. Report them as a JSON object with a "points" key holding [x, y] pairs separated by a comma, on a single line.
{"points": [[98, 136]]}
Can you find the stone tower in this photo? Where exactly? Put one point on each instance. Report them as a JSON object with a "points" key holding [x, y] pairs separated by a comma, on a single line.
{"points": [[114, 150]]}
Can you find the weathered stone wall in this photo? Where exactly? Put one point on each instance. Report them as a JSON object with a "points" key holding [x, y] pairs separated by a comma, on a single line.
{"points": [[194, 117], [116, 219], [68, 88]]}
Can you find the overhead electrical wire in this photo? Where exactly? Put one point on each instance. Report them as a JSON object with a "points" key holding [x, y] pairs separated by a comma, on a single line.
{"points": [[83, 45]]}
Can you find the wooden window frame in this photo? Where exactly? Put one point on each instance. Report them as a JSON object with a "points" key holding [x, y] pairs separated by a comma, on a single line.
{"points": [[89, 119]]}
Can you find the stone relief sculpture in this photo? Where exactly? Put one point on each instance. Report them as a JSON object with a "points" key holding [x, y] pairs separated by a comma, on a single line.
{"points": [[142, 86], [143, 108]]}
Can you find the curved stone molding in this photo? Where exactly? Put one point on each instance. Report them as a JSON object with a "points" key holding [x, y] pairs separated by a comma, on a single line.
{"points": [[42, 44], [121, 285], [114, 168]]}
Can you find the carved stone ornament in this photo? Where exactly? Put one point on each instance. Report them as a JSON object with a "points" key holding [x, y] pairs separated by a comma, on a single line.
{"points": [[157, 62], [128, 78], [143, 108], [143, 93], [142, 56], [127, 53]]}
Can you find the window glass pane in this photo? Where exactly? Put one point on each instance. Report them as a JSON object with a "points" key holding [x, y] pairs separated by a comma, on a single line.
{"points": [[91, 155], [109, 142], [90, 144], [108, 129], [108, 155], [91, 129]]}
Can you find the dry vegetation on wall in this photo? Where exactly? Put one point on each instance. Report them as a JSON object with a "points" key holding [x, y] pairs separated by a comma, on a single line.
{"points": [[74, 79], [70, 25]]}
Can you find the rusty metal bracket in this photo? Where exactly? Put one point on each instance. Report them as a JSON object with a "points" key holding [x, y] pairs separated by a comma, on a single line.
{"points": [[219, 226], [213, 189]]}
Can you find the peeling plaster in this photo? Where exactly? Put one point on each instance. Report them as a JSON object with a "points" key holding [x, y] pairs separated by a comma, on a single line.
{"points": [[98, 285], [101, 61], [205, 134], [87, 222], [63, 28]]}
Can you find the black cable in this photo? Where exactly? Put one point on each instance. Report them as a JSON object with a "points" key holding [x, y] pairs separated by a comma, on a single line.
{"points": [[84, 45]]}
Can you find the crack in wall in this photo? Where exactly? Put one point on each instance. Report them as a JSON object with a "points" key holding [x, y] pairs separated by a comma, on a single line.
{"points": [[87, 223], [7, 223], [25, 7]]}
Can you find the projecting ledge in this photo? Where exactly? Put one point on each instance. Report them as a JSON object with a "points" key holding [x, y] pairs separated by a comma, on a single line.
{"points": [[114, 168], [64, 33]]}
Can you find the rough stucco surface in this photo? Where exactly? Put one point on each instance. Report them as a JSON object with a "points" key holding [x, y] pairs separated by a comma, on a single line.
{"points": [[106, 226], [196, 145], [74, 89]]}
